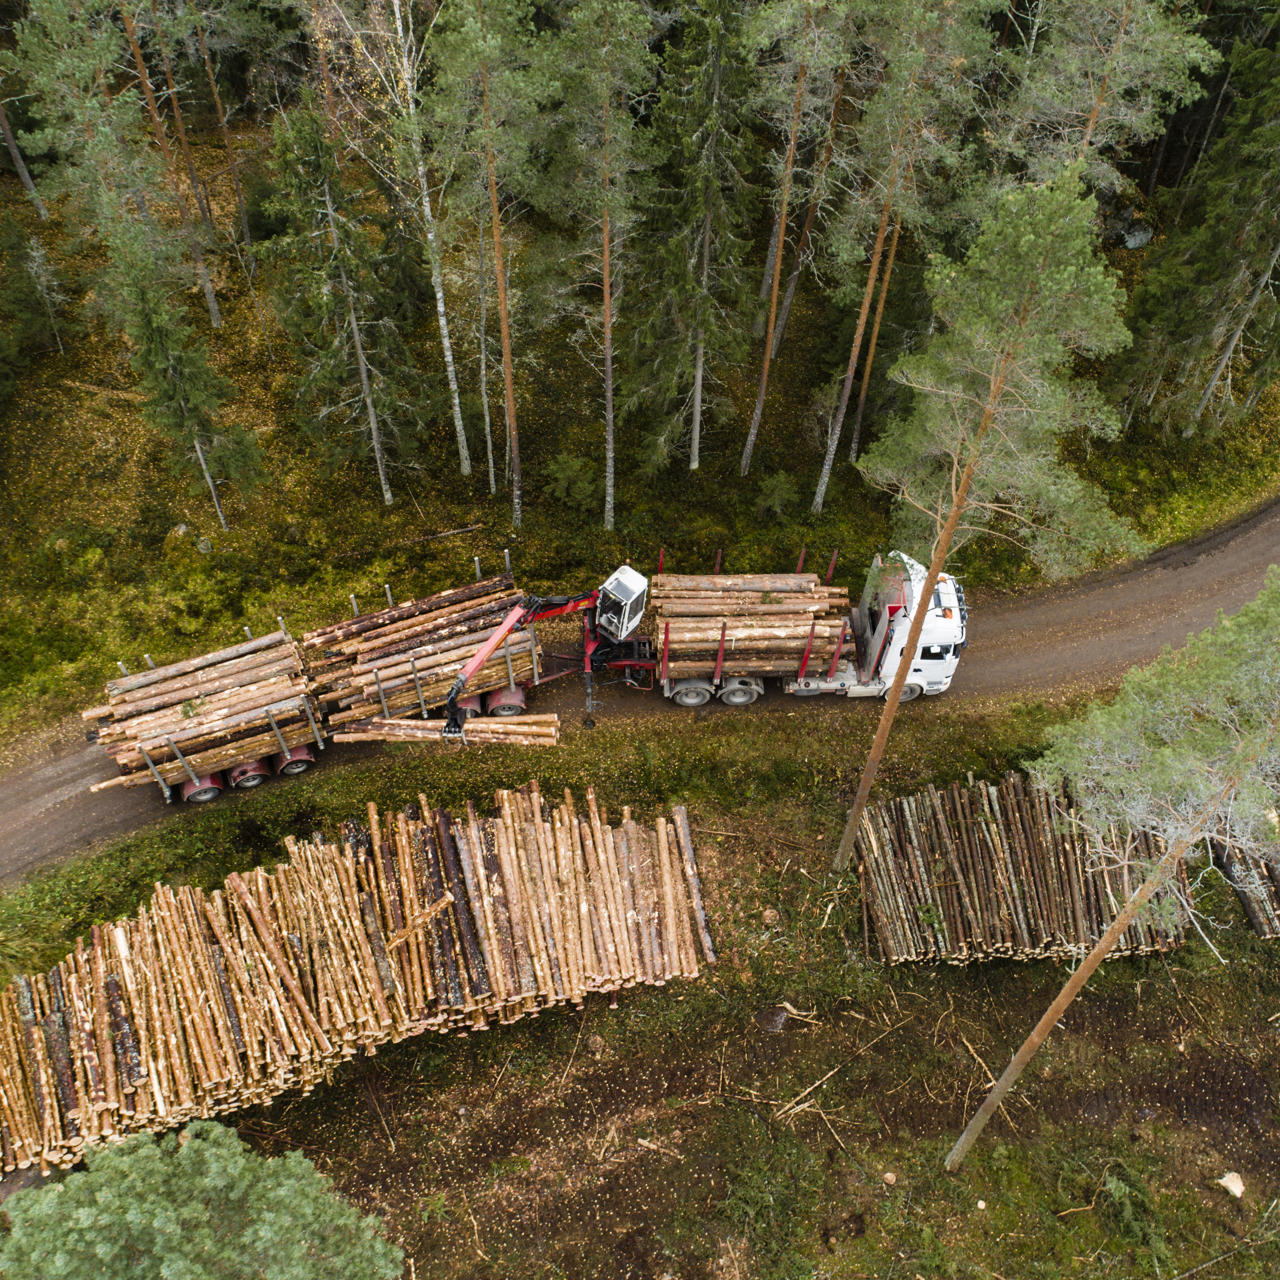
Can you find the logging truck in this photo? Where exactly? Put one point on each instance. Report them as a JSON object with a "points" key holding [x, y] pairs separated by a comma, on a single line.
{"points": [[268, 705]]}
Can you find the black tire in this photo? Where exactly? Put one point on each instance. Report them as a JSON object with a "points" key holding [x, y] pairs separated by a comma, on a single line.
{"points": [[507, 709], [738, 695], [203, 795], [295, 767], [910, 692]]}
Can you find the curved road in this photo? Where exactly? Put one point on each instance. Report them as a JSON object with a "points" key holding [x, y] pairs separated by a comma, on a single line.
{"points": [[1071, 638]]}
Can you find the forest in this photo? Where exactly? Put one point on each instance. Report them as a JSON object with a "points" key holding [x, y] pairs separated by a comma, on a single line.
{"points": [[299, 298]]}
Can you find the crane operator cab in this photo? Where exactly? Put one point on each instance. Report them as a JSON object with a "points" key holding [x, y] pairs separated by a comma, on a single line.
{"points": [[621, 605]]}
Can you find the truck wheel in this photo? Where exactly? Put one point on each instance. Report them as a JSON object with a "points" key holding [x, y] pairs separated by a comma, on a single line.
{"points": [[252, 773], [295, 760], [739, 695], [910, 691], [693, 694]]}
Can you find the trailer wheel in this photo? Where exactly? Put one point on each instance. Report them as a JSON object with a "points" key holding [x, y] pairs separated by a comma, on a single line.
{"points": [[295, 760], [202, 790], [910, 691], [505, 702], [692, 694]]}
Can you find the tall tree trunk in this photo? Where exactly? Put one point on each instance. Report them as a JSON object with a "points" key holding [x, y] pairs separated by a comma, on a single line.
{"points": [[20, 165], [504, 328], [184, 210], [846, 389], [226, 133], [871, 346], [700, 350], [180, 127], [484, 370], [326, 79], [366, 390], [1204, 144], [1250, 307], [208, 479], [409, 89], [1159, 876], [606, 268], [802, 245], [757, 327], [941, 549], [788, 166]]}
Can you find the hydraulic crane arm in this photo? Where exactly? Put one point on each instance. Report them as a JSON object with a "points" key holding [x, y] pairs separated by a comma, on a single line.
{"points": [[533, 609]]}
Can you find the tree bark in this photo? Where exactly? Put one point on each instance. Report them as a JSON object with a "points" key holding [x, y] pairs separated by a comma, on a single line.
{"points": [[184, 210], [875, 337], [936, 565], [19, 164], [788, 166], [183, 144], [504, 328], [757, 328], [226, 133], [700, 351], [802, 245], [837, 418], [326, 80], [366, 390], [208, 479], [1250, 307], [606, 266], [484, 372]]}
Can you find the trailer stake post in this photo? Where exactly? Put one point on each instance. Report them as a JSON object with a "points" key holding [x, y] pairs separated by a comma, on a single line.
{"points": [[533, 653], [478, 573], [124, 671], [511, 671], [417, 684], [831, 568], [506, 558], [248, 634], [808, 649], [719, 558], [835, 661], [355, 608], [311, 720], [382, 697], [182, 760], [275, 728], [386, 586], [146, 657], [155, 773], [715, 679], [280, 620], [800, 562]]}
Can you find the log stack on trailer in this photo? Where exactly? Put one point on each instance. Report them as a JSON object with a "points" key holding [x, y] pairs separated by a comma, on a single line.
{"points": [[423, 920], [186, 721], [400, 662], [768, 624]]}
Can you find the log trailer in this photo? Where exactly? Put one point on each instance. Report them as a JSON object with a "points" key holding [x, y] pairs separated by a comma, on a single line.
{"points": [[716, 636]]}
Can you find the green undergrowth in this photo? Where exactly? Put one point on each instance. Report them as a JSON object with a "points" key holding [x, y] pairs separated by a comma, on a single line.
{"points": [[735, 763]]}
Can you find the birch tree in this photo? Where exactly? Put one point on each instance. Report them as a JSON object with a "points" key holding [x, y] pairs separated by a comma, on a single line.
{"points": [[992, 398], [1189, 751], [605, 71]]}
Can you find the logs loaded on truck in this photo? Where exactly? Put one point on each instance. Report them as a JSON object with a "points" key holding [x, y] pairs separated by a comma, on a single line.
{"points": [[266, 706]]}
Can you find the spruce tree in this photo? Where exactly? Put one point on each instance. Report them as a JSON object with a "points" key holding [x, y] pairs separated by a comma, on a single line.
{"points": [[691, 313]]}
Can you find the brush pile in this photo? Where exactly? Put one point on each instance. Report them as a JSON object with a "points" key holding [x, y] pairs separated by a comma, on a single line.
{"points": [[767, 624], [207, 1002], [195, 717], [983, 872], [402, 661]]}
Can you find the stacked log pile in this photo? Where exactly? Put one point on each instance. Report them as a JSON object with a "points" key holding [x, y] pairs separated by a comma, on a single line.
{"points": [[422, 920], [989, 871], [402, 660], [516, 731], [1257, 885], [206, 713], [768, 622]]}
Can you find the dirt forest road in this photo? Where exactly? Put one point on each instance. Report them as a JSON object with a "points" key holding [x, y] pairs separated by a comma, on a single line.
{"points": [[1073, 638]]}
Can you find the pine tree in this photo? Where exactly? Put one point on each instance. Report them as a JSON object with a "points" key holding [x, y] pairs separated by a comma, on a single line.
{"points": [[605, 71], [195, 1203], [909, 142], [1189, 752], [992, 399], [691, 312], [1096, 79]]}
